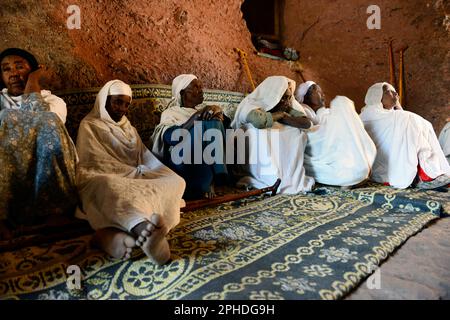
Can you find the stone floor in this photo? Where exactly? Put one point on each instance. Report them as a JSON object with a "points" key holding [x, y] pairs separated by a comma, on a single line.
{"points": [[420, 269]]}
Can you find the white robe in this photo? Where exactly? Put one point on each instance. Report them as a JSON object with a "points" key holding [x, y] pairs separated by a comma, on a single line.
{"points": [[276, 152], [339, 150], [404, 140], [57, 105], [121, 183], [444, 140]]}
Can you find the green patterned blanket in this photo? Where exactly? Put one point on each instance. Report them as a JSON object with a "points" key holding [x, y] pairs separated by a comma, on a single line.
{"points": [[319, 245]]}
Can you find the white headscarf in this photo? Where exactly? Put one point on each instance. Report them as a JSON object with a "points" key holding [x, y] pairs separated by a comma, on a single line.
{"points": [[174, 115], [99, 116], [301, 91], [266, 96], [111, 88], [373, 101]]}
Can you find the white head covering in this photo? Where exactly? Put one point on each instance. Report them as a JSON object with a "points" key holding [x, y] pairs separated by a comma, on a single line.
{"points": [[174, 115], [113, 87], [375, 94], [119, 88], [180, 83], [374, 106], [302, 90], [266, 96]]}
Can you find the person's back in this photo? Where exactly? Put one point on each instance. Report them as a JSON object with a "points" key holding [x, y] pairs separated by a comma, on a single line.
{"points": [[444, 140], [339, 150]]}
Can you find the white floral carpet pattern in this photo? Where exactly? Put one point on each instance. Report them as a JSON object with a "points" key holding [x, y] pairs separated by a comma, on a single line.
{"points": [[320, 245]]}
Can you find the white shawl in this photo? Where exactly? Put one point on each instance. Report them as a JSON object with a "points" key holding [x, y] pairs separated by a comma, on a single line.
{"points": [[275, 152], [174, 115], [403, 140], [339, 150], [121, 183], [266, 96], [57, 105], [444, 140]]}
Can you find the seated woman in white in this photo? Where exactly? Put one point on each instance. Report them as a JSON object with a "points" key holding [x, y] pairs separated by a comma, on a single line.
{"points": [[273, 121], [127, 194], [407, 146], [444, 140], [339, 150]]}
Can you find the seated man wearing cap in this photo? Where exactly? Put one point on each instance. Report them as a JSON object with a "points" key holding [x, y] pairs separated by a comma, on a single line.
{"points": [[128, 196], [37, 156]]}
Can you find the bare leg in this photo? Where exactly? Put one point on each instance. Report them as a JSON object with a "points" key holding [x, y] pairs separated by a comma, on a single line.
{"points": [[117, 243], [151, 238]]}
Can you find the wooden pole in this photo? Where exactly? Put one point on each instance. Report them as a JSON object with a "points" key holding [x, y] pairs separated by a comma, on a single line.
{"points": [[401, 81], [243, 56], [392, 79], [198, 204]]}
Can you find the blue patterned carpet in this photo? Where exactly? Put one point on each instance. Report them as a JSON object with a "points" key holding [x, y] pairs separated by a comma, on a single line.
{"points": [[315, 246]]}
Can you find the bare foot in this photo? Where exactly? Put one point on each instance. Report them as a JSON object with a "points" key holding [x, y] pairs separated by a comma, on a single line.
{"points": [[117, 243], [5, 232], [211, 193], [151, 238]]}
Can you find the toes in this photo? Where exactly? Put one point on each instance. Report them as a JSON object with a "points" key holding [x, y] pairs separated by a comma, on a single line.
{"points": [[129, 242], [145, 233], [150, 226], [155, 220]]}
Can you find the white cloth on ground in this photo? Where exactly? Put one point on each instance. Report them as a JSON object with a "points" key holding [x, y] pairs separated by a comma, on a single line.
{"points": [[339, 151], [120, 182], [403, 139], [57, 105], [276, 152]]}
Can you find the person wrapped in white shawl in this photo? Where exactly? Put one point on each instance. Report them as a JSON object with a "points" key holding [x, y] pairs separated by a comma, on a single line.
{"points": [[186, 116], [444, 140], [127, 194], [272, 121], [339, 150], [406, 143]]}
